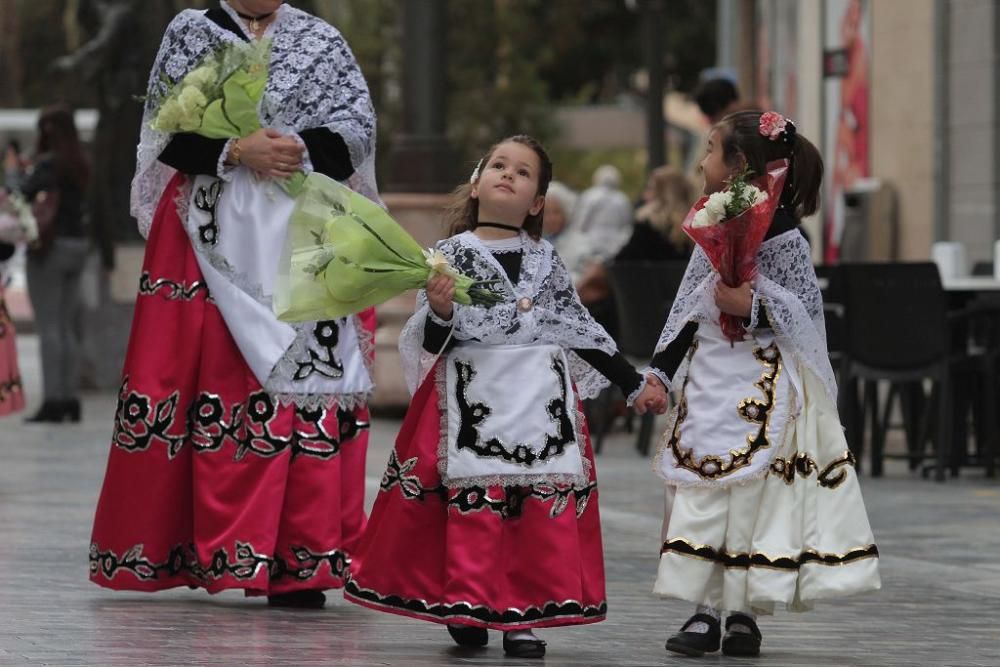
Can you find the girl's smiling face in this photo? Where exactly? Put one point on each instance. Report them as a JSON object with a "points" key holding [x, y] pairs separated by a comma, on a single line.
{"points": [[713, 166], [507, 188]]}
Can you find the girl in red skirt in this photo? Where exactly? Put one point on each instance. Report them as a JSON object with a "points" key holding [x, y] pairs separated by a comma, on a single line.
{"points": [[238, 453], [487, 515]]}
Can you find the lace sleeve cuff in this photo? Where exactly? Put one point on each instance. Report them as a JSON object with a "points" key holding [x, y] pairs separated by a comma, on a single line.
{"points": [[658, 374], [755, 307], [630, 399], [223, 170], [440, 322], [307, 165]]}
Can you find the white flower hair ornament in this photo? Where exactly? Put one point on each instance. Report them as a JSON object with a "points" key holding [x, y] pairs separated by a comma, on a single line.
{"points": [[475, 172]]}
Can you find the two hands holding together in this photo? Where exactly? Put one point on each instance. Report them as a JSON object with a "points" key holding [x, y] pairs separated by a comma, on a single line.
{"points": [[267, 152], [733, 300]]}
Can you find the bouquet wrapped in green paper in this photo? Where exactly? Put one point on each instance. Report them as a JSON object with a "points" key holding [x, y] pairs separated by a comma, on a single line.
{"points": [[344, 253], [219, 98]]}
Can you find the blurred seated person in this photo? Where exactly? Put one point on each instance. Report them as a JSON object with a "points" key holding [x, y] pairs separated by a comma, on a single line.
{"points": [[657, 234], [560, 201], [600, 225]]}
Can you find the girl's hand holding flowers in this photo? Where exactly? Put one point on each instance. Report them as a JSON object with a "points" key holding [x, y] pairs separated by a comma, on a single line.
{"points": [[736, 301], [440, 294]]}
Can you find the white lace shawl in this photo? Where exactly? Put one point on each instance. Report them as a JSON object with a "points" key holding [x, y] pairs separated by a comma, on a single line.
{"points": [[556, 315], [313, 81], [786, 286]]}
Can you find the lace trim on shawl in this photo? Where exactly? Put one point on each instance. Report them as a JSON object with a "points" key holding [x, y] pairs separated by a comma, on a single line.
{"points": [[287, 366]]}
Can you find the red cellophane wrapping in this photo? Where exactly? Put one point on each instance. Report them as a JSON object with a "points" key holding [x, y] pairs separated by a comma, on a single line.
{"points": [[732, 244]]}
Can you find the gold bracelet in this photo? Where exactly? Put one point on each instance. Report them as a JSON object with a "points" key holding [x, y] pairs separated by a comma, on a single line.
{"points": [[234, 152]]}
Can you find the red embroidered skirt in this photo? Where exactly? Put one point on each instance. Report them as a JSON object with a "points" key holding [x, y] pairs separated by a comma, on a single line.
{"points": [[211, 482], [495, 557]]}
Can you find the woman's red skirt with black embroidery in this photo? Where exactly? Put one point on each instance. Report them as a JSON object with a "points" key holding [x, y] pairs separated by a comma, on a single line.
{"points": [[211, 482]]}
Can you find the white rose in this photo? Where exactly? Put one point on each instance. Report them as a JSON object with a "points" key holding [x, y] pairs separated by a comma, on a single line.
{"points": [[701, 219]]}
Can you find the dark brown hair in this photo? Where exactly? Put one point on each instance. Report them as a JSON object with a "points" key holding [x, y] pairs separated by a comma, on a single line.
{"points": [[463, 212], [741, 137], [57, 137]]}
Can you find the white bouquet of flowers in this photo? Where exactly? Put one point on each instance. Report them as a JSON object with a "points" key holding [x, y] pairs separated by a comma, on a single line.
{"points": [[17, 222]]}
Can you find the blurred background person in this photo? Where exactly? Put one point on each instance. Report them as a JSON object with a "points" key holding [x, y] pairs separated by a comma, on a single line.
{"points": [[58, 183], [657, 235], [560, 202], [601, 223]]}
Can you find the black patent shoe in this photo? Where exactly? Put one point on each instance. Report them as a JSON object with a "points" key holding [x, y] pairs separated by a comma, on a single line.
{"points": [[49, 412], [523, 648], [308, 599], [744, 644], [70, 410], [466, 635], [696, 644]]}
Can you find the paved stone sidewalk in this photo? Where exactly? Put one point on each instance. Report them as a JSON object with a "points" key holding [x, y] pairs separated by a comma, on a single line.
{"points": [[940, 603]]}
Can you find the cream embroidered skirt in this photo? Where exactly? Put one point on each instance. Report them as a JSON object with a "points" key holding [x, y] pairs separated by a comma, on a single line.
{"points": [[793, 534]]}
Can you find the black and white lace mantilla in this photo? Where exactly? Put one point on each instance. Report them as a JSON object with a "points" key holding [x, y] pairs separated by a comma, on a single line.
{"points": [[314, 81], [555, 314]]}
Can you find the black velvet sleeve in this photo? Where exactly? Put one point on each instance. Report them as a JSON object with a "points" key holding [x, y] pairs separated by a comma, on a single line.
{"points": [[435, 335], [6, 251], [193, 154], [328, 153], [762, 321], [616, 368], [667, 361]]}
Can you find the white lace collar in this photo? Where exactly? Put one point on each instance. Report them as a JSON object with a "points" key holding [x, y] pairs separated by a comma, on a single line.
{"points": [[512, 244]]}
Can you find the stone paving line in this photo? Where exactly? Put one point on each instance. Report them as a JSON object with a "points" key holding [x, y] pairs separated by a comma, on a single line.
{"points": [[940, 603]]}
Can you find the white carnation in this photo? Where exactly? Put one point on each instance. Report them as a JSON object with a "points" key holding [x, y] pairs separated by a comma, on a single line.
{"points": [[716, 205], [757, 196]]}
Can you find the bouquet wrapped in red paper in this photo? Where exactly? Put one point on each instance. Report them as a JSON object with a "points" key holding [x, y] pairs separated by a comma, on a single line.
{"points": [[730, 226]]}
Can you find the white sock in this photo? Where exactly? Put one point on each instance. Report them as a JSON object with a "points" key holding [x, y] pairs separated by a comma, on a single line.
{"points": [[701, 626], [739, 627], [518, 635]]}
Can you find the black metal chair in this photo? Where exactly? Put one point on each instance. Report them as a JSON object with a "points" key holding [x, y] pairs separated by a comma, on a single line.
{"points": [[644, 292], [898, 329]]}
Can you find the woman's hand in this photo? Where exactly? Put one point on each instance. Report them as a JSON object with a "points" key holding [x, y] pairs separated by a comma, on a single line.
{"points": [[734, 300], [652, 397], [270, 153], [440, 294]]}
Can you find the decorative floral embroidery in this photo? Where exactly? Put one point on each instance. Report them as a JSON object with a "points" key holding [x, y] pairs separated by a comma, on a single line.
{"points": [[464, 610], [477, 498], [327, 335], [757, 559], [208, 425], [474, 414], [830, 477], [243, 565], [170, 289], [206, 200], [753, 410]]}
